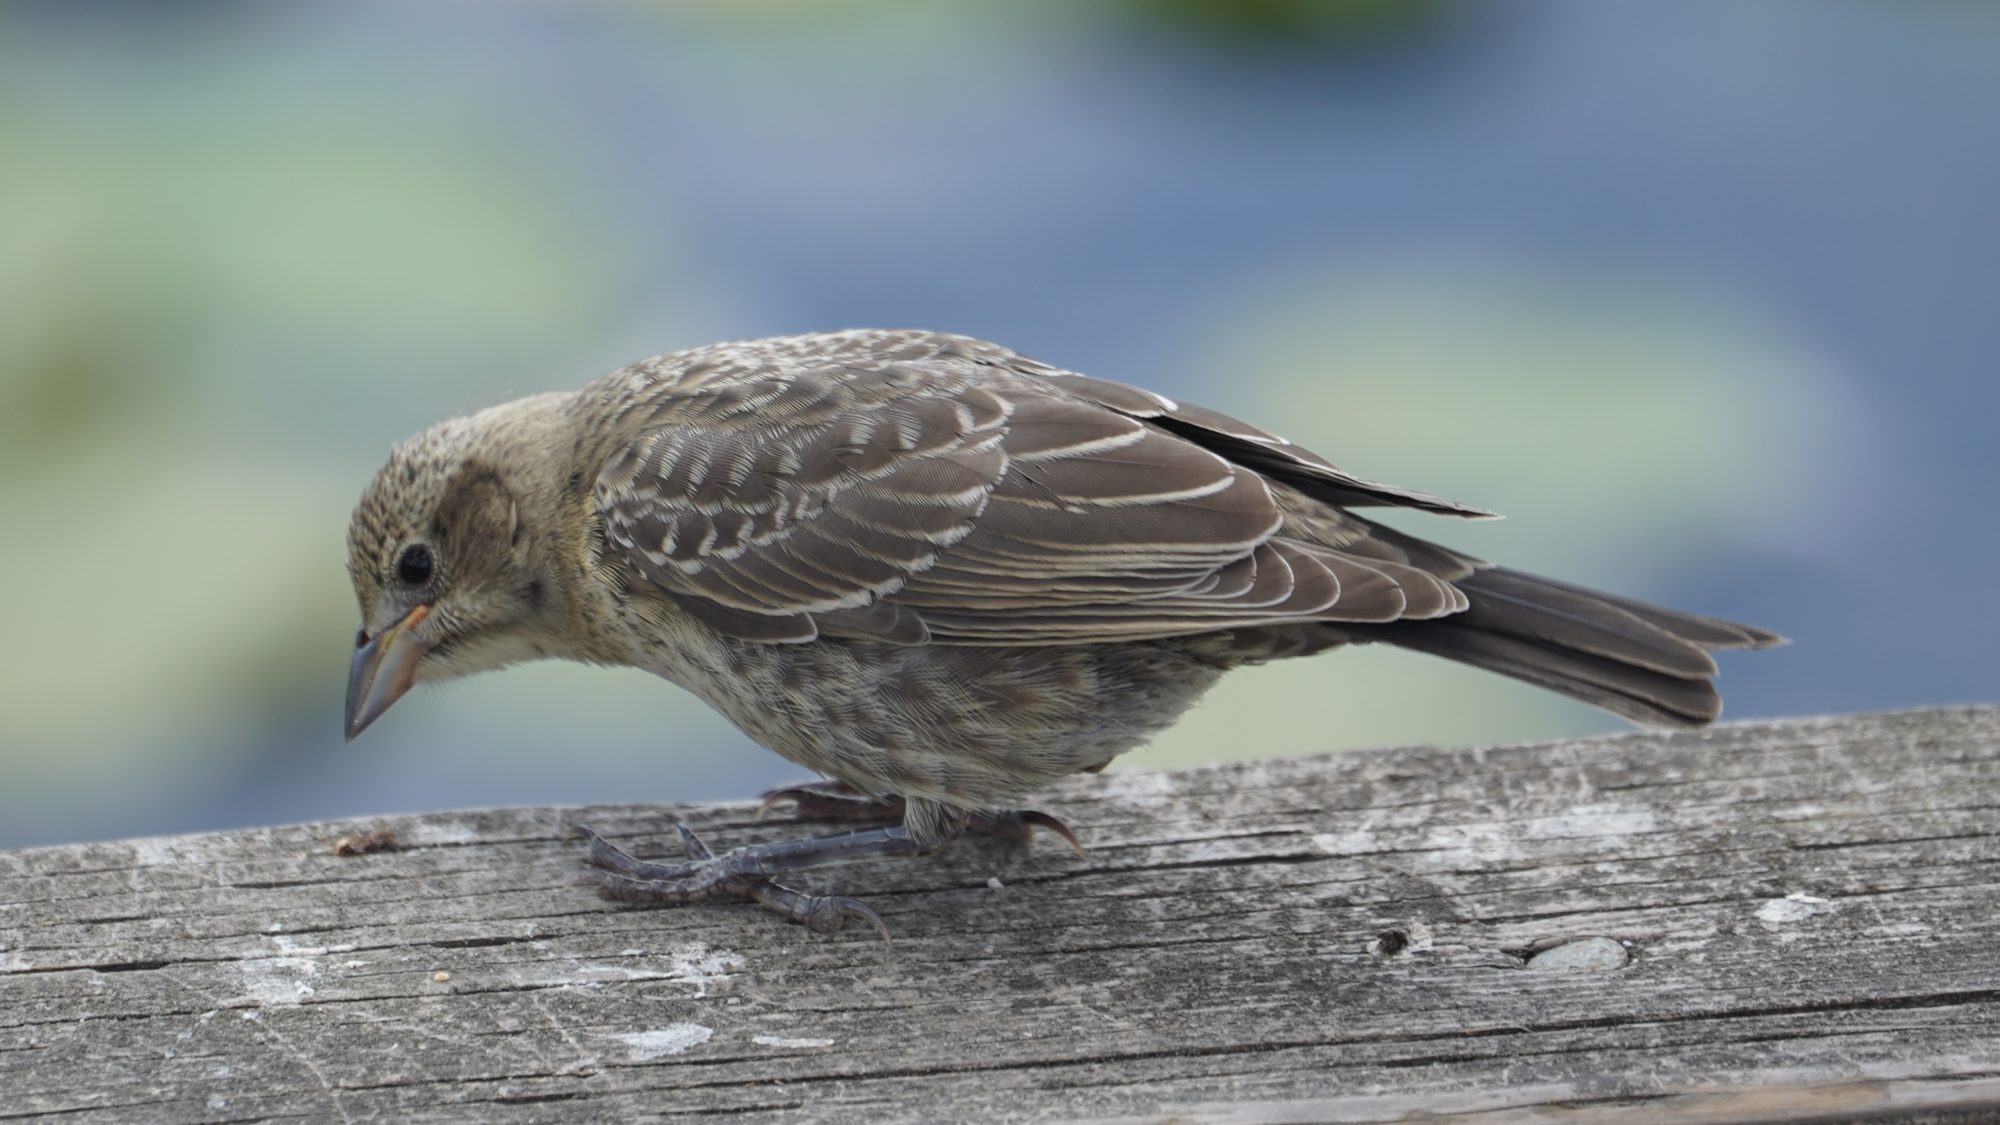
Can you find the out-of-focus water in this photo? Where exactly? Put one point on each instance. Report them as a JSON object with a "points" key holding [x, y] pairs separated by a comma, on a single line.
{"points": [[1702, 295]]}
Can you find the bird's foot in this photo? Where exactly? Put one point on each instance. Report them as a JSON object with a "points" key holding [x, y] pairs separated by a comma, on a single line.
{"points": [[836, 800], [744, 873]]}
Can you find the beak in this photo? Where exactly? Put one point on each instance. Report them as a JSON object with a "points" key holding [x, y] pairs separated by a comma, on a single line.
{"points": [[384, 669]]}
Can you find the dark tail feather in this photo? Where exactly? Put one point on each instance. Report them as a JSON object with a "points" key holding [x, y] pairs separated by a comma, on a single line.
{"points": [[1645, 662], [1708, 632]]}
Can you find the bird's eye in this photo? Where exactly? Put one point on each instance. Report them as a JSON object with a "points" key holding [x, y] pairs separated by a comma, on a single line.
{"points": [[414, 566]]}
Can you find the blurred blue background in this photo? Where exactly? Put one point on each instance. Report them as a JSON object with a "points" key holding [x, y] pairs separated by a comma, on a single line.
{"points": [[1705, 296]]}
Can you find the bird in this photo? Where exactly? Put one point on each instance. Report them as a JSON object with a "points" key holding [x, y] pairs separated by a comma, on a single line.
{"points": [[936, 572]]}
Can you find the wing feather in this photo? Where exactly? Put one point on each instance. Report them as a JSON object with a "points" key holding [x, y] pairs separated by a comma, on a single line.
{"points": [[912, 492]]}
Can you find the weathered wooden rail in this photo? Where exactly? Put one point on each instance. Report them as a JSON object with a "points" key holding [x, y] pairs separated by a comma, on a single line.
{"points": [[1795, 921]]}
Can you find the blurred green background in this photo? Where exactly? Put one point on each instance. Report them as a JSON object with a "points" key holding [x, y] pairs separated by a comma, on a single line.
{"points": [[1703, 295]]}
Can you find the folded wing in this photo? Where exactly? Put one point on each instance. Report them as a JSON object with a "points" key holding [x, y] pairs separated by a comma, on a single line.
{"points": [[960, 498]]}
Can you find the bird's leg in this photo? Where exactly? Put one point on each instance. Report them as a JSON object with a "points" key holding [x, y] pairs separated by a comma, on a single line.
{"points": [[749, 872], [836, 800]]}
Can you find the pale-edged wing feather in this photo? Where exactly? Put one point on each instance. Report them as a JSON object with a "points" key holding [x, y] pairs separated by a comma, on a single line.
{"points": [[1259, 450]]}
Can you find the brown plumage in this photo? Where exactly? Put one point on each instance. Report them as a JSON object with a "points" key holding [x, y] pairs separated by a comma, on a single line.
{"points": [[929, 567]]}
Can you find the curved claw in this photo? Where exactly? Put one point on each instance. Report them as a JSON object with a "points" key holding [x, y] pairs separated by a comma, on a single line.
{"points": [[846, 907], [772, 798], [601, 852], [690, 843], [802, 793], [1043, 820]]}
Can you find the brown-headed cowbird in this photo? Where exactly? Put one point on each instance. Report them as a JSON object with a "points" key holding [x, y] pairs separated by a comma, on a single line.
{"points": [[935, 570]]}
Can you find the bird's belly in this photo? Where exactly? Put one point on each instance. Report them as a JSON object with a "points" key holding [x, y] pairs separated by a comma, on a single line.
{"points": [[975, 727]]}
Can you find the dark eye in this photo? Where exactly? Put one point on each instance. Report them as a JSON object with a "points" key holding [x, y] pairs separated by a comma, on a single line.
{"points": [[414, 566]]}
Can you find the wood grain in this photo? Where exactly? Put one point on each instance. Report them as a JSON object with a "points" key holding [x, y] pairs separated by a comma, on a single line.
{"points": [[1793, 921]]}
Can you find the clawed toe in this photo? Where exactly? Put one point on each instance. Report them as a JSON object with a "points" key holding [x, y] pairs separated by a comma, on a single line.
{"points": [[604, 854], [820, 913], [632, 888]]}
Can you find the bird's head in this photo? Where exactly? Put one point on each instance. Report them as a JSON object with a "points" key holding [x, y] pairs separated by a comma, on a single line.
{"points": [[452, 556]]}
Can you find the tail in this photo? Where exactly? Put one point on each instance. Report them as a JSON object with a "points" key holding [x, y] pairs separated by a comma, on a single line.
{"points": [[1644, 662]]}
